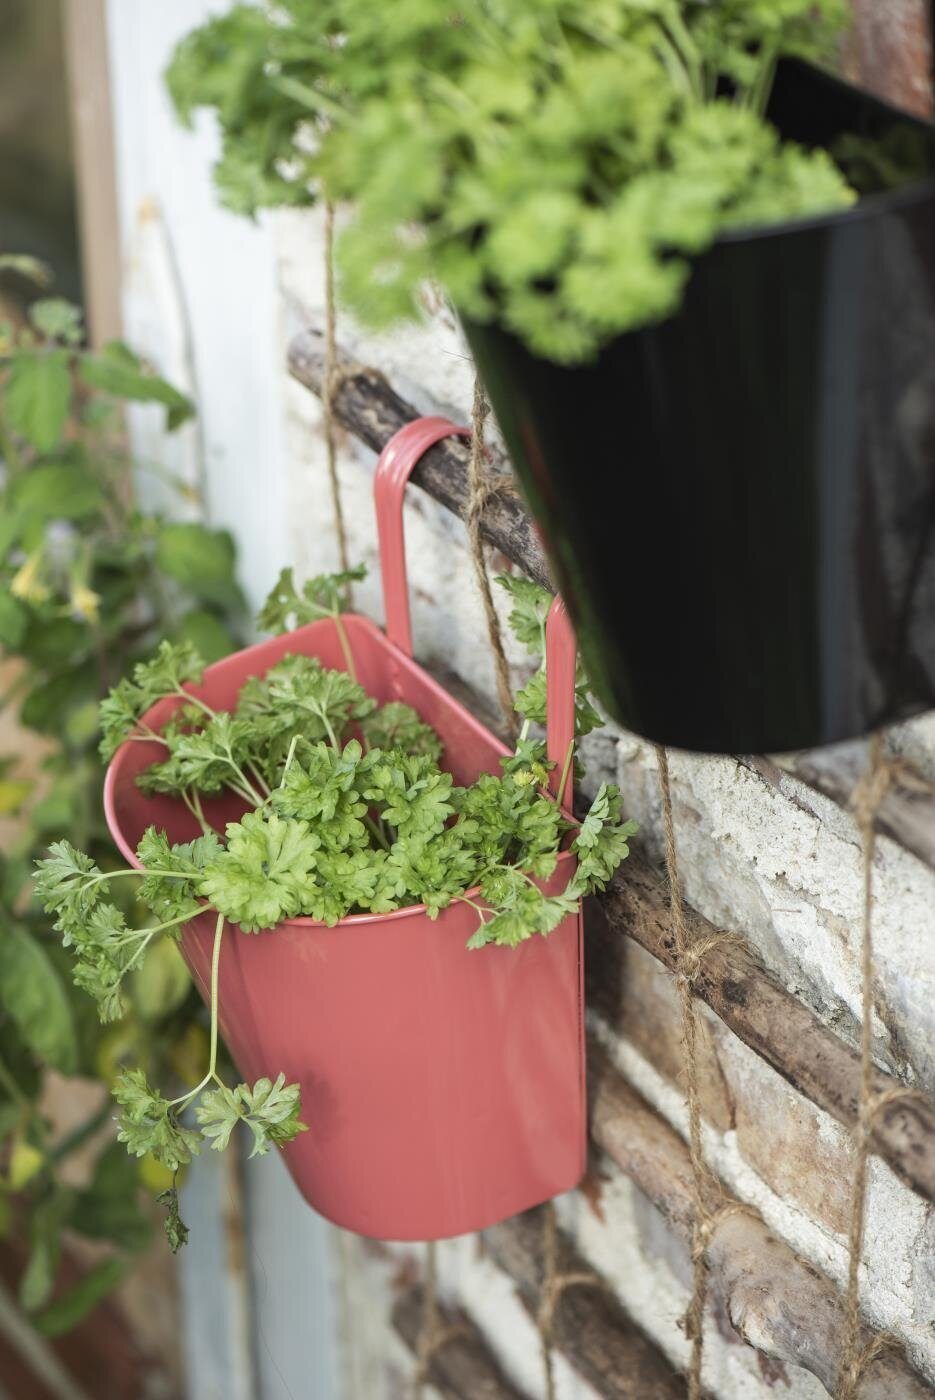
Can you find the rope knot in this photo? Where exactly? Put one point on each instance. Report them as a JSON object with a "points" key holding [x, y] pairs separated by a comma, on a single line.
{"points": [[854, 1371]]}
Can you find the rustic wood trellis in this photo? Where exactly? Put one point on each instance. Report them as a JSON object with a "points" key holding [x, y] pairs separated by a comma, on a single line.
{"points": [[731, 980]]}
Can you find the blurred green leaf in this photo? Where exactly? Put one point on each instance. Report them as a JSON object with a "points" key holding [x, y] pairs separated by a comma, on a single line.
{"points": [[46, 705], [66, 1312], [12, 620], [57, 491], [38, 1280], [34, 997], [38, 393], [116, 370], [201, 560], [161, 983], [207, 634], [110, 1207]]}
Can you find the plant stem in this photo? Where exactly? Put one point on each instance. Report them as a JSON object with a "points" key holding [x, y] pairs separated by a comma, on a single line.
{"points": [[289, 757], [345, 647], [190, 798], [213, 1055], [566, 768], [376, 828], [215, 965], [262, 784]]}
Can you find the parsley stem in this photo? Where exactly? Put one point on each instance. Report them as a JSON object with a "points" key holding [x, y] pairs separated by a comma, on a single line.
{"points": [[193, 699], [262, 784], [566, 768], [289, 757], [215, 965], [345, 647], [213, 1057], [141, 874], [376, 828], [193, 803], [463, 899]]}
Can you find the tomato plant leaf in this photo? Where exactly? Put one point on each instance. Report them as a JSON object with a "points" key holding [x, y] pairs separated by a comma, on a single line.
{"points": [[32, 994], [37, 396]]}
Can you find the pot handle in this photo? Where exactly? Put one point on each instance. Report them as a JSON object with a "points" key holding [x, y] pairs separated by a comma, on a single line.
{"points": [[396, 464]]}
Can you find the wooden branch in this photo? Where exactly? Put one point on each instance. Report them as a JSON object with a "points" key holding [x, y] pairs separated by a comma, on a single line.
{"points": [[781, 1029], [463, 1368], [778, 1303], [591, 1329], [733, 982], [366, 404]]}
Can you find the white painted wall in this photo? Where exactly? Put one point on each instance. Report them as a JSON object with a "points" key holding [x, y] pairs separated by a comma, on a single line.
{"points": [[200, 301], [200, 295]]}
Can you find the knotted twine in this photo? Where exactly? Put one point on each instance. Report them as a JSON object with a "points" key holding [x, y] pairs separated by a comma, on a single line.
{"points": [[688, 957], [434, 1334], [482, 485], [333, 379], [554, 1286]]}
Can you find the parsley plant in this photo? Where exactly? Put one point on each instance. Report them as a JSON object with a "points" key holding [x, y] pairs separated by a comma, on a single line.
{"points": [[347, 810], [555, 165]]}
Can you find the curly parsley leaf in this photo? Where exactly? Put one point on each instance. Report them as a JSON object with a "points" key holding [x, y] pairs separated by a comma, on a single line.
{"points": [[325, 595], [412, 794], [148, 1124], [602, 842], [529, 611], [264, 874], [398, 726], [270, 1110], [67, 883], [167, 897], [173, 666]]}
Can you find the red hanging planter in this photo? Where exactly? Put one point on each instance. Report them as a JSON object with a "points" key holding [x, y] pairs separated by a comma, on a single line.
{"points": [[444, 1088]]}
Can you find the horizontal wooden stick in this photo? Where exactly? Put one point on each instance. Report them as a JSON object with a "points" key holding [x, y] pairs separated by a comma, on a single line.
{"points": [[462, 1367], [590, 1327], [732, 980], [778, 1303], [368, 406]]}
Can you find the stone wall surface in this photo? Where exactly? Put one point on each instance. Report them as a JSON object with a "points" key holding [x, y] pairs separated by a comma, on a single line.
{"points": [[773, 862]]}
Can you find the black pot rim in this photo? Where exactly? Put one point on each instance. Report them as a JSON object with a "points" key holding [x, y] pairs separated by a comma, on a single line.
{"points": [[867, 206]]}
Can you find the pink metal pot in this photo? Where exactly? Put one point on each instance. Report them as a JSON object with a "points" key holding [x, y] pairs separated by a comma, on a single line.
{"points": [[444, 1089]]}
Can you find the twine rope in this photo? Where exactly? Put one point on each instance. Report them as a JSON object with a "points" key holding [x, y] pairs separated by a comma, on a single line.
{"points": [[853, 1373], [868, 797], [482, 485], [688, 959], [434, 1334], [555, 1284], [333, 379]]}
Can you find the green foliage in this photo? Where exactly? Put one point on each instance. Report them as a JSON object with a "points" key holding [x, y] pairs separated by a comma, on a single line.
{"points": [[84, 596], [555, 165], [527, 618], [148, 1124], [322, 596], [270, 1110]]}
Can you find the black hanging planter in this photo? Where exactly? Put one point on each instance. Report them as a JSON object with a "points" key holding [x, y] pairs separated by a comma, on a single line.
{"points": [[739, 503]]}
